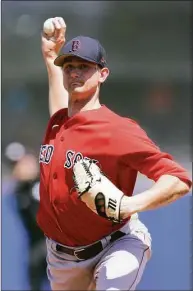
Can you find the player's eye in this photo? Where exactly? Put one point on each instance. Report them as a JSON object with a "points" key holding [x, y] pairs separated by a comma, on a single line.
{"points": [[68, 68], [84, 67]]}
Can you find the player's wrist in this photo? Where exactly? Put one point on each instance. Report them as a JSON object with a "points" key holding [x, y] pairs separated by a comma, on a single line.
{"points": [[50, 58], [52, 69], [127, 207]]}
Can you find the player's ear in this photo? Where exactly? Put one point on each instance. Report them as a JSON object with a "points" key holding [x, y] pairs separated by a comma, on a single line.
{"points": [[104, 72]]}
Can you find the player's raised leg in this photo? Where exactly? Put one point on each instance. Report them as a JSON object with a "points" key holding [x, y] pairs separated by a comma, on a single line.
{"points": [[122, 267]]}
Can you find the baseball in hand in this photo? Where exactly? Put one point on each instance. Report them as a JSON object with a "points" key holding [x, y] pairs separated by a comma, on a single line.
{"points": [[48, 27]]}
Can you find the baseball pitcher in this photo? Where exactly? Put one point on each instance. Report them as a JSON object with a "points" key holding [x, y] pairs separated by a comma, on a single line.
{"points": [[89, 161]]}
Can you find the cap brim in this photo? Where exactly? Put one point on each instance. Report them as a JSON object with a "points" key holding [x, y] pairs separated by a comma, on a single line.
{"points": [[60, 60]]}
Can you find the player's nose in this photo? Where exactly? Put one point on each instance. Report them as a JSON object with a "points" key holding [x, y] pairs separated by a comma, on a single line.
{"points": [[75, 73]]}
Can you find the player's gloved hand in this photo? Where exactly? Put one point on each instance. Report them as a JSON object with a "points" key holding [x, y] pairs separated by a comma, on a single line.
{"points": [[96, 190], [52, 45]]}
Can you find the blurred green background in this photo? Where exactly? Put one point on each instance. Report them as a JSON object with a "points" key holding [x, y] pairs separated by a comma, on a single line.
{"points": [[148, 45]]}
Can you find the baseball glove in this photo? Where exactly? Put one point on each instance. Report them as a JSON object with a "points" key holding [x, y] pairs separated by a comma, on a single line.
{"points": [[96, 190]]}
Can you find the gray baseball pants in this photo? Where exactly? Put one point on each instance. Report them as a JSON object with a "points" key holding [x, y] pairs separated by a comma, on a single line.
{"points": [[119, 266]]}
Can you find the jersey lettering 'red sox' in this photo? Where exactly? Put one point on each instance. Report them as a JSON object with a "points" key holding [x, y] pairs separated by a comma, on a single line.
{"points": [[46, 152], [72, 157], [62, 216]]}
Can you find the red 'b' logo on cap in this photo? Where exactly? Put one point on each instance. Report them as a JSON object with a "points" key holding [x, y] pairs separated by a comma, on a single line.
{"points": [[75, 45]]}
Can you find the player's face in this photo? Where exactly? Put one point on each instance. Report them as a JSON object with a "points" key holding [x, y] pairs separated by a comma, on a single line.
{"points": [[82, 78]]}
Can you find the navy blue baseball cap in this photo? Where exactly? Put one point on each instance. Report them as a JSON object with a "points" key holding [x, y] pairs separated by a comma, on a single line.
{"points": [[84, 47]]}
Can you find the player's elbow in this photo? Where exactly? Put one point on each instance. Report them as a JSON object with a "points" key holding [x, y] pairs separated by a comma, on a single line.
{"points": [[183, 188], [178, 187]]}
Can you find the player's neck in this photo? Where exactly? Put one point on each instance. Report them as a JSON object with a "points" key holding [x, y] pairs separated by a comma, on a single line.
{"points": [[83, 105]]}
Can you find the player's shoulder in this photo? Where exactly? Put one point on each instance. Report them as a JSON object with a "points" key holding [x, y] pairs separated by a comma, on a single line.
{"points": [[61, 113], [121, 120], [125, 127]]}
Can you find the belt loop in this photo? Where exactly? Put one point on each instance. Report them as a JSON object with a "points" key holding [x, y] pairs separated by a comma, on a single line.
{"points": [[108, 239], [104, 242], [53, 246]]}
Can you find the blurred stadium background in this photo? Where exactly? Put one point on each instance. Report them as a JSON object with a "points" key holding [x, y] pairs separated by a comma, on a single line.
{"points": [[148, 44]]}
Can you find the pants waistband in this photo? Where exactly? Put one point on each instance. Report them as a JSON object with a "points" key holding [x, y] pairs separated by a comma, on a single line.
{"points": [[90, 251]]}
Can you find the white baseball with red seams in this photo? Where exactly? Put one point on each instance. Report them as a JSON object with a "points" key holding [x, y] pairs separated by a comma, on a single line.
{"points": [[48, 27]]}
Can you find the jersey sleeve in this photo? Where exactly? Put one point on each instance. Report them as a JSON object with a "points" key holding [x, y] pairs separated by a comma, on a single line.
{"points": [[139, 152]]}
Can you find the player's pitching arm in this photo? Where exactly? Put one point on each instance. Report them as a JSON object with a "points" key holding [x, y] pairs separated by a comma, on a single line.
{"points": [[166, 190], [106, 200], [172, 181], [51, 45]]}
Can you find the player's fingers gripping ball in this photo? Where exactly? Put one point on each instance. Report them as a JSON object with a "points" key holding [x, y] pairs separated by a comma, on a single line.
{"points": [[54, 29], [96, 190], [48, 27]]}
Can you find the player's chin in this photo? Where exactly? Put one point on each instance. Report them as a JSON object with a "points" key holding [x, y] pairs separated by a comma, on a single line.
{"points": [[82, 92], [77, 94], [76, 89]]}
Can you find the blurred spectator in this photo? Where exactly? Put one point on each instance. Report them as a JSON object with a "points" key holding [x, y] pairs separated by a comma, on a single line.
{"points": [[25, 184]]}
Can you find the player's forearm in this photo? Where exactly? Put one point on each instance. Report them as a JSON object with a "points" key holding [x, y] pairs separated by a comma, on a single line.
{"points": [[166, 190], [58, 96]]}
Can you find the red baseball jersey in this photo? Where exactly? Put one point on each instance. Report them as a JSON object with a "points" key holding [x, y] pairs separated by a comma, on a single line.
{"points": [[121, 148]]}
